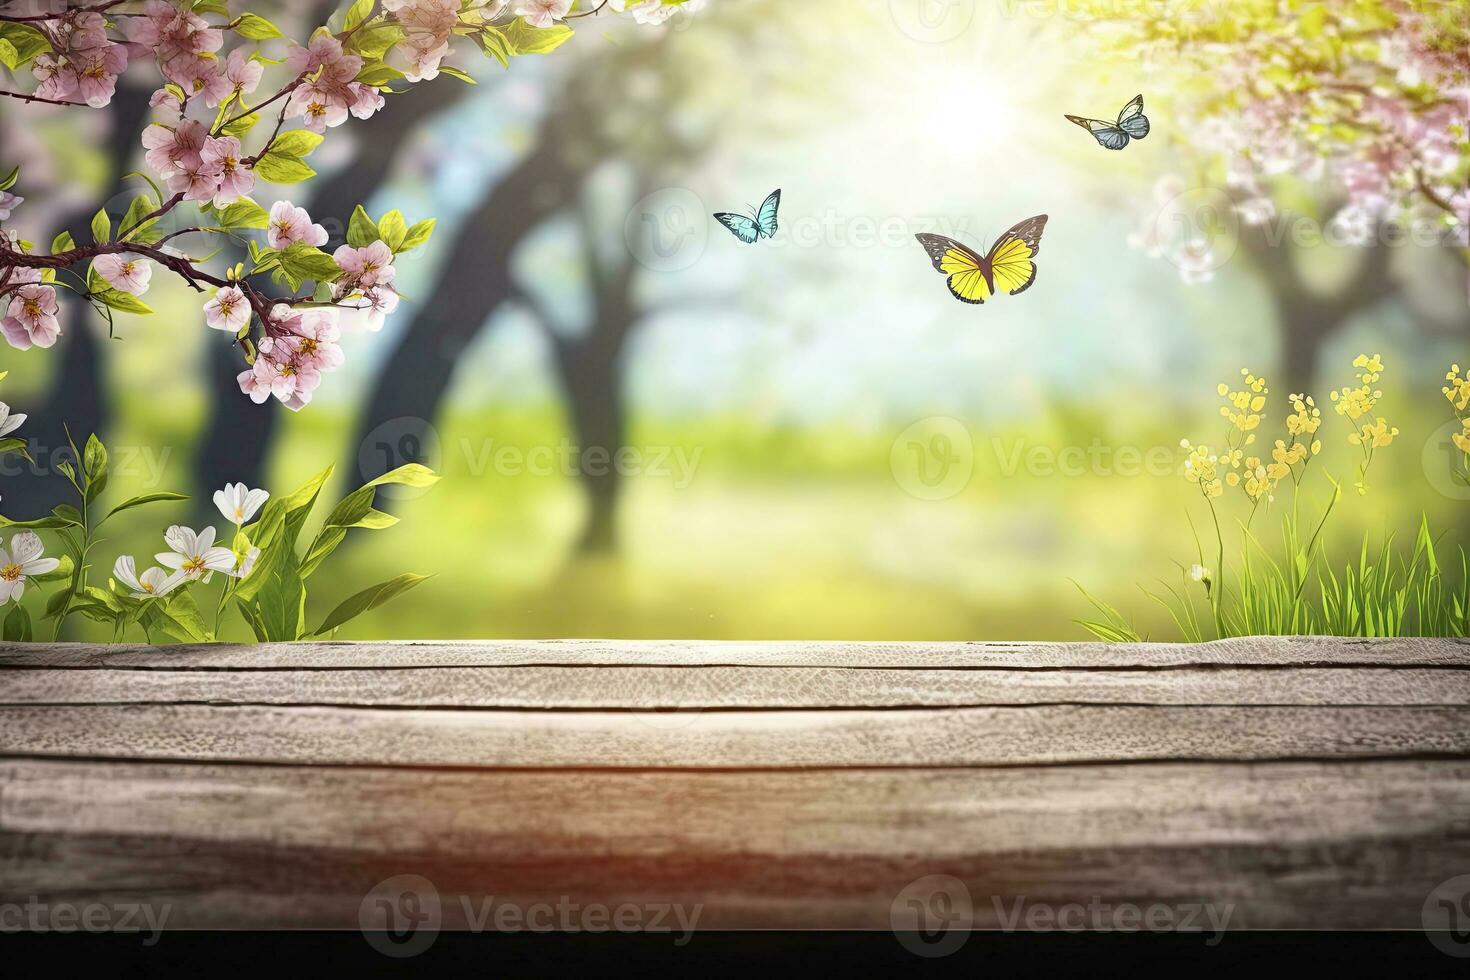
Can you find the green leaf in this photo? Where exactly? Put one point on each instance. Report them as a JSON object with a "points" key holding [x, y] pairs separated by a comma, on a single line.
{"points": [[379, 74], [244, 213], [140, 500], [240, 125], [141, 206], [302, 261], [374, 42], [22, 43], [94, 466], [281, 605], [178, 618], [358, 13], [522, 38], [281, 168], [280, 523], [418, 234], [361, 229], [17, 625], [8, 181], [368, 599], [456, 73], [256, 28], [392, 229], [101, 227], [51, 523], [18, 447], [493, 43], [62, 243], [356, 510], [296, 143], [125, 302]]}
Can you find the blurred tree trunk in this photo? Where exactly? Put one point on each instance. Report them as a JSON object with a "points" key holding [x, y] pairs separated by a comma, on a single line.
{"points": [[239, 432], [590, 364], [1308, 319], [76, 401], [473, 282]]}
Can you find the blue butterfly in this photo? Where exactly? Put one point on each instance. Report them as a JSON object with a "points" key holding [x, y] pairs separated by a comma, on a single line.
{"points": [[1132, 124], [752, 229]]}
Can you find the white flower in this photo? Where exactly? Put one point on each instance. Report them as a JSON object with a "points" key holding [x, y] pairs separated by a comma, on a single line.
{"points": [[239, 504], [229, 310], [125, 275], [154, 582], [542, 13], [23, 559], [9, 423], [194, 555], [1199, 573]]}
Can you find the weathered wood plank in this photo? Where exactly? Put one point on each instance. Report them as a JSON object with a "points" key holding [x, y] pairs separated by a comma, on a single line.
{"points": [[1266, 652], [1288, 845], [623, 688], [1010, 736]]}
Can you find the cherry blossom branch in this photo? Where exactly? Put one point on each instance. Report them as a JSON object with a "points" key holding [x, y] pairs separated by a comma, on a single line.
{"points": [[95, 8], [25, 97]]}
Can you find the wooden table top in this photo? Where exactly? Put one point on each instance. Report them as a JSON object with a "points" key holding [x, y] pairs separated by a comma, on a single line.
{"points": [[1300, 782]]}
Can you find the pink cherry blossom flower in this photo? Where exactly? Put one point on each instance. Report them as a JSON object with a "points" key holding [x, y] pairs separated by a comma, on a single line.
{"points": [[170, 31], [196, 178], [371, 265], [318, 107], [324, 52], [366, 100], [198, 77], [242, 73], [168, 102], [31, 319], [314, 346], [428, 26], [289, 223], [376, 303], [229, 310], [645, 11], [8, 203], [96, 71], [542, 13], [235, 179], [129, 275], [57, 77], [169, 150]]}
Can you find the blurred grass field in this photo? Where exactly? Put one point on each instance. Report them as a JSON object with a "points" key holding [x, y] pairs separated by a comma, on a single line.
{"points": [[783, 532]]}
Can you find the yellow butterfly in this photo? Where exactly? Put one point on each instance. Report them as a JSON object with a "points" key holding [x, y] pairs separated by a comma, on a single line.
{"points": [[1007, 267]]}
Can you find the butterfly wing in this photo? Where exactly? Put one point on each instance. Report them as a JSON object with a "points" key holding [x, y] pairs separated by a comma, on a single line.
{"points": [[967, 280], [1132, 120], [740, 226], [1108, 134], [766, 217], [1012, 258]]}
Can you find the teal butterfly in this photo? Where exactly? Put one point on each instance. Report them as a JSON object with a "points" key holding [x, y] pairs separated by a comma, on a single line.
{"points": [[1132, 124], [751, 229]]}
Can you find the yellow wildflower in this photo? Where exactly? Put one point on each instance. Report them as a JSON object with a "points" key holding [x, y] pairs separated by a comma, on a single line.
{"points": [[1461, 439], [1458, 389], [1201, 467], [1373, 435], [1243, 406]]}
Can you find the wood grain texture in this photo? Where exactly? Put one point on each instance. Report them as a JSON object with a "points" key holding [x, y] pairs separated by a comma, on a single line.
{"points": [[1269, 652], [1302, 782], [773, 739], [1287, 844], [725, 688]]}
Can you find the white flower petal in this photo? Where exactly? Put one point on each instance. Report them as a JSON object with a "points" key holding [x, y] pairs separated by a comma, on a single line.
{"points": [[25, 546]]}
